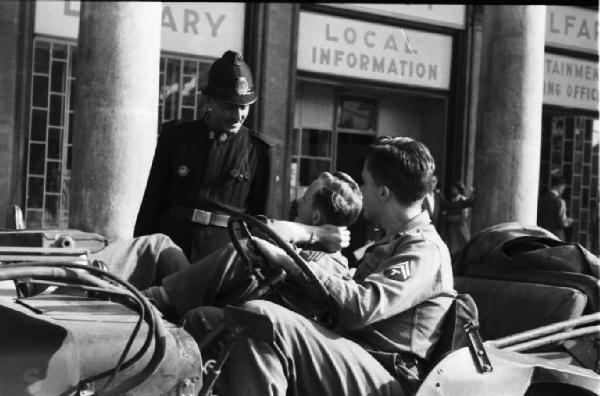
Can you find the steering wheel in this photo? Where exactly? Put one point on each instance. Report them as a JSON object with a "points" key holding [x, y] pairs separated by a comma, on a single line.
{"points": [[244, 220]]}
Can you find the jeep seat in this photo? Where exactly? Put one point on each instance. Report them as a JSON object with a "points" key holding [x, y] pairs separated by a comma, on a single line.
{"points": [[506, 308]]}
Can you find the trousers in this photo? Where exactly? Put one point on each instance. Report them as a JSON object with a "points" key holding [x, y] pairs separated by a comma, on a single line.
{"points": [[305, 358], [143, 261]]}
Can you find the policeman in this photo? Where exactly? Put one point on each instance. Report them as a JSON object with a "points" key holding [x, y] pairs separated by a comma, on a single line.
{"points": [[214, 158]]}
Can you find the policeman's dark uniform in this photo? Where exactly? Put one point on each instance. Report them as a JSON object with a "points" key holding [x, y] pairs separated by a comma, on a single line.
{"points": [[194, 165]]}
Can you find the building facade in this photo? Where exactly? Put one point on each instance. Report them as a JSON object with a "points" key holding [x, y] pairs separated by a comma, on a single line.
{"points": [[570, 129], [330, 77]]}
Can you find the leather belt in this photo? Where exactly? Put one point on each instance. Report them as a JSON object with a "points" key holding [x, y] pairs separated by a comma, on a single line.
{"points": [[198, 216], [209, 218]]}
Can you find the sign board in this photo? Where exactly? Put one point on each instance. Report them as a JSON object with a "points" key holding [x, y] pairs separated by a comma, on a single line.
{"points": [[572, 28], [351, 48], [570, 82], [450, 15], [207, 29]]}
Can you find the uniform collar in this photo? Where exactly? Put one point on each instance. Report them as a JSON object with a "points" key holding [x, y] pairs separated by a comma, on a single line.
{"points": [[420, 220], [219, 138], [216, 137]]}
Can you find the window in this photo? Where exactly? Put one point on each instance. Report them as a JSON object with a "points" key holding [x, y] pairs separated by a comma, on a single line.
{"points": [[331, 131], [50, 134], [180, 83], [51, 120], [311, 155], [355, 113]]}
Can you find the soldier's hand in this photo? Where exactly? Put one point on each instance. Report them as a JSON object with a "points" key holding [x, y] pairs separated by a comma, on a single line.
{"points": [[275, 256], [332, 238]]}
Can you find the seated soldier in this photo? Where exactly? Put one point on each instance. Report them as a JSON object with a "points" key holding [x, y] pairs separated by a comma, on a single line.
{"points": [[143, 261], [218, 279], [390, 310]]}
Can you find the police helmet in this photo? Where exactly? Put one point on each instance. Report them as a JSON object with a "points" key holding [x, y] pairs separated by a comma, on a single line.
{"points": [[230, 80]]}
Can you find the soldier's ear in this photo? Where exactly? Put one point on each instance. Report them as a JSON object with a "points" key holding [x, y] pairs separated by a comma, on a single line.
{"points": [[384, 193]]}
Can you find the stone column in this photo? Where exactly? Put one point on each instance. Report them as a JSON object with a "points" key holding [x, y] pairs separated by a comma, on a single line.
{"points": [[274, 108], [507, 153], [116, 114], [15, 69]]}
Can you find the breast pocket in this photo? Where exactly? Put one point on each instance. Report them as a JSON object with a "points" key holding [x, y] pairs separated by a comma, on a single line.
{"points": [[237, 185], [240, 174]]}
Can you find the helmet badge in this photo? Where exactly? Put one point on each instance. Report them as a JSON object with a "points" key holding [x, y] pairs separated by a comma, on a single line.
{"points": [[241, 86]]}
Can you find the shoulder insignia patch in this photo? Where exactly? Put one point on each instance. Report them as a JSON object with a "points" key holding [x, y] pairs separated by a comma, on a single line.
{"points": [[399, 272], [311, 255]]}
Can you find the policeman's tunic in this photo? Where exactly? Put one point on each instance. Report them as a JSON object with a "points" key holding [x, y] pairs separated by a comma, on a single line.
{"points": [[189, 169]]}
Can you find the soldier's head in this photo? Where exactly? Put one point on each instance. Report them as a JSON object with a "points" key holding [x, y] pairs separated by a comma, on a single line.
{"points": [[330, 199], [397, 170], [228, 93]]}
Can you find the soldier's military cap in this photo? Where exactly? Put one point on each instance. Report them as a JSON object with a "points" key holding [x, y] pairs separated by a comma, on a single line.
{"points": [[230, 80]]}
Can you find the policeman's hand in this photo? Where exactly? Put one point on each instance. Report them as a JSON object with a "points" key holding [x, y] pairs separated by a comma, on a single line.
{"points": [[275, 256], [332, 238]]}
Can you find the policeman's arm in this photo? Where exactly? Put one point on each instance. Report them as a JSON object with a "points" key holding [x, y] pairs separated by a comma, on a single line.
{"points": [[260, 189], [155, 195], [400, 283]]}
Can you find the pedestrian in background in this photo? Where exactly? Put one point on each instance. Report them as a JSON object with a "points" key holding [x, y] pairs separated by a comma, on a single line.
{"points": [[436, 204], [457, 219], [552, 209], [212, 159]]}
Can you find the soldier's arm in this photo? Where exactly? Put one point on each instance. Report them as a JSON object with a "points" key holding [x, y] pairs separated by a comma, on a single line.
{"points": [[155, 195], [328, 238], [400, 283]]}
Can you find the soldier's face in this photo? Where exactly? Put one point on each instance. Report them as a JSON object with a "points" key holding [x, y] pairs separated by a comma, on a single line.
{"points": [[227, 117], [305, 204]]}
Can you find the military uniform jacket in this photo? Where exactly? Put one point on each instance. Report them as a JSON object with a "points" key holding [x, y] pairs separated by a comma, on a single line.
{"points": [[398, 297], [189, 168]]}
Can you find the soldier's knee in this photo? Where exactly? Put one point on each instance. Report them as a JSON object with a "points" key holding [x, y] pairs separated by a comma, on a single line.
{"points": [[275, 312], [161, 242]]}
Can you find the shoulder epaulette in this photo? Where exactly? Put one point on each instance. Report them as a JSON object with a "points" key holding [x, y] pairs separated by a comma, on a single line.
{"points": [[169, 125], [266, 140]]}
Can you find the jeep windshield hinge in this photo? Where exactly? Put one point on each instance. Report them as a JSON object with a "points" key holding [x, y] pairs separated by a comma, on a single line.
{"points": [[476, 346]]}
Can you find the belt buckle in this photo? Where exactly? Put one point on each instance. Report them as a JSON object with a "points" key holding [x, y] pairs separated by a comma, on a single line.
{"points": [[201, 216]]}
